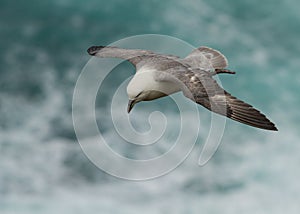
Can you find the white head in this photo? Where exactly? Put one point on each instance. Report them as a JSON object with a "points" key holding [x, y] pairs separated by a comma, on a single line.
{"points": [[142, 87], [137, 90]]}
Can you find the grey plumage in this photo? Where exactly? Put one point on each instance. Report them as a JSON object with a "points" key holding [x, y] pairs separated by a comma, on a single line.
{"points": [[193, 75]]}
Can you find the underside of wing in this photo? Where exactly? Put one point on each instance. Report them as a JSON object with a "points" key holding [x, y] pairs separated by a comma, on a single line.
{"points": [[200, 87]]}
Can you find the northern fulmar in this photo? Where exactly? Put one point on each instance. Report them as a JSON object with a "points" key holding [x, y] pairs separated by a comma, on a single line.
{"points": [[158, 75]]}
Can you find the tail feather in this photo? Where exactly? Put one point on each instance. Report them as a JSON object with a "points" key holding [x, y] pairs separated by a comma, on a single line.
{"points": [[205, 56]]}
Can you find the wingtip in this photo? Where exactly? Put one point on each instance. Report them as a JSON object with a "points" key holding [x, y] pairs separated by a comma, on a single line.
{"points": [[94, 50], [274, 128], [268, 125], [247, 114]]}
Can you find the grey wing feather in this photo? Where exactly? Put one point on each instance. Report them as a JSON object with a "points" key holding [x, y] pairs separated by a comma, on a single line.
{"points": [[134, 56], [238, 110]]}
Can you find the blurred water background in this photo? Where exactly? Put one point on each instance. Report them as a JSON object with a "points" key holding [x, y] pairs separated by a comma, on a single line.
{"points": [[43, 49]]}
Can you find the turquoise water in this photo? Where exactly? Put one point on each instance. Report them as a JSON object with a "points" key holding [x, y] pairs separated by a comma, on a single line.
{"points": [[43, 49]]}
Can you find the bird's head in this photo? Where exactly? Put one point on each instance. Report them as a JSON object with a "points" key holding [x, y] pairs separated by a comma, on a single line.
{"points": [[142, 88], [137, 89]]}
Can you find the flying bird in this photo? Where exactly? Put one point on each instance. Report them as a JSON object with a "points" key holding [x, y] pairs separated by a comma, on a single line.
{"points": [[158, 75]]}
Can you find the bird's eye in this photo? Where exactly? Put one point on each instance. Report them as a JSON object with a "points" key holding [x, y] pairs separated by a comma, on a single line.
{"points": [[138, 95]]}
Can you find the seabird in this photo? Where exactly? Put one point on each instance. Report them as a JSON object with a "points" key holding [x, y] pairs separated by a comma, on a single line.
{"points": [[159, 75]]}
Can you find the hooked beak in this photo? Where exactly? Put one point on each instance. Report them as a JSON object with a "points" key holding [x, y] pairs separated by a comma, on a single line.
{"points": [[131, 103]]}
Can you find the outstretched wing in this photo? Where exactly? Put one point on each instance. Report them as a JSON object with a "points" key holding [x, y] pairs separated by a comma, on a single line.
{"points": [[200, 87], [239, 111], [134, 56], [206, 58]]}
